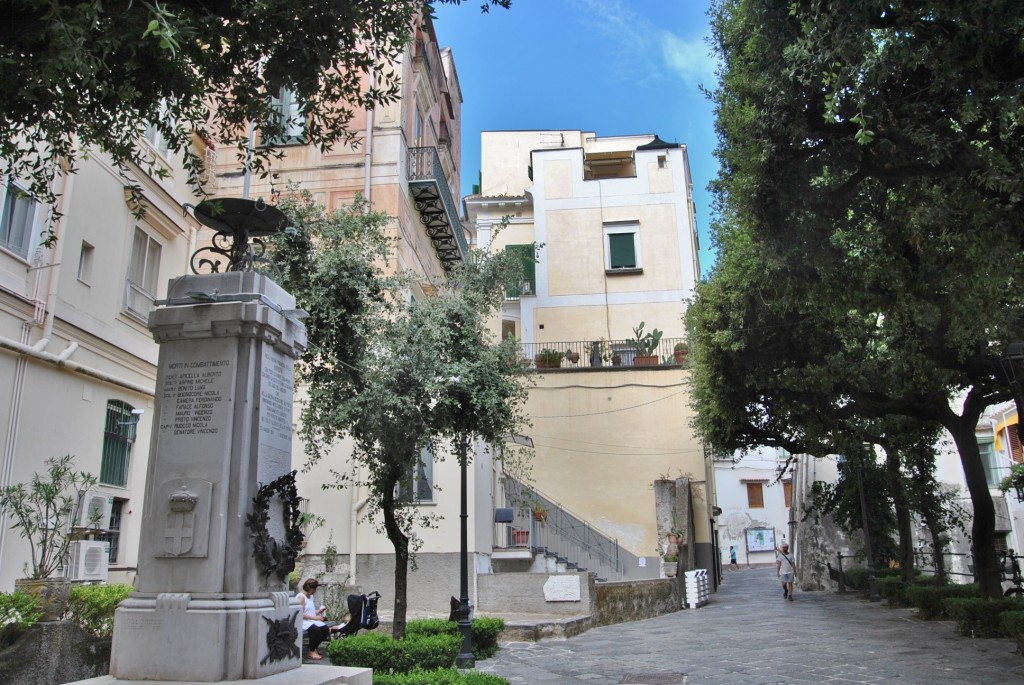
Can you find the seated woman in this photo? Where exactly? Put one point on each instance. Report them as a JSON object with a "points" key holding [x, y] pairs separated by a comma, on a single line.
{"points": [[313, 621]]}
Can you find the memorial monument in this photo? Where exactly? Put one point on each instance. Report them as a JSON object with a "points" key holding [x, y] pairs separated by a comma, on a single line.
{"points": [[220, 519]]}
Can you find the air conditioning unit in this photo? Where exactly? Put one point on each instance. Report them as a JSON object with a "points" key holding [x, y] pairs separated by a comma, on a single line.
{"points": [[89, 560], [94, 510]]}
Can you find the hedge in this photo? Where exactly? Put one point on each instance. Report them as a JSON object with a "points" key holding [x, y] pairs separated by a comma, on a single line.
{"points": [[1012, 624], [384, 654], [443, 676], [485, 632], [928, 599], [978, 617], [17, 612], [91, 607]]}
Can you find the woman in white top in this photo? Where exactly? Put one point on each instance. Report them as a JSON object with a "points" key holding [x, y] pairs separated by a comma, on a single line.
{"points": [[312, 620]]}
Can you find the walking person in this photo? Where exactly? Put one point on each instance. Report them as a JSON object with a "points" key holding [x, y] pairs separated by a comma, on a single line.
{"points": [[732, 558], [786, 570]]}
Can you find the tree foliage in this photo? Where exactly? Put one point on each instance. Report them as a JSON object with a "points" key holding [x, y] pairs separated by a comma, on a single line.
{"points": [[869, 225], [78, 77], [395, 374]]}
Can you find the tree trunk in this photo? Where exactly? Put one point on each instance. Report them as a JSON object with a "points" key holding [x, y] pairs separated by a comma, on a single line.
{"points": [[400, 542], [903, 523], [986, 562], [939, 548]]}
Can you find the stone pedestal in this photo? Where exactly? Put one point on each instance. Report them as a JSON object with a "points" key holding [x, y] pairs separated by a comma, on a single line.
{"points": [[205, 609]]}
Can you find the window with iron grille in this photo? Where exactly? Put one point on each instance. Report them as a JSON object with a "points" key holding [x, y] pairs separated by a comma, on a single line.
{"points": [[118, 438]]}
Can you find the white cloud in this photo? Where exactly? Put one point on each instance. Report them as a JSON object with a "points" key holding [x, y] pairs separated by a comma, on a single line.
{"points": [[644, 50], [689, 59]]}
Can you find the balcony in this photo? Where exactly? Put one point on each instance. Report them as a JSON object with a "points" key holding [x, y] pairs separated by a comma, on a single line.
{"points": [[601, 354], [433, 200]]}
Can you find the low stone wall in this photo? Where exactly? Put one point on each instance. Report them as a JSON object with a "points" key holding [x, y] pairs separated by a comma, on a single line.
{"points": [[621, 602], [544, 594], [54, 653]]}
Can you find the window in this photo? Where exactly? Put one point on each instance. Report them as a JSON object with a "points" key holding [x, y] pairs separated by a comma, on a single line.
{"points": [[621, 250], [420, 487], [528, 284], [418, 128], [990, 461], [113, 533], [661, 162], [755, 495], [118, 438], [155, 137], [290, 127], [17, 220], [143, 271], [787, 492], [85, 263]]}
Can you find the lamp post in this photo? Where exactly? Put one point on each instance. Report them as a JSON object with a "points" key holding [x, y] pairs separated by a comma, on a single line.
{"points": [[465, 659]]}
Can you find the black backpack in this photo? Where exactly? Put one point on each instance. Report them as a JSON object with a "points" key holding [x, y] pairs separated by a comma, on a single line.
{"points": [[369, 619]]}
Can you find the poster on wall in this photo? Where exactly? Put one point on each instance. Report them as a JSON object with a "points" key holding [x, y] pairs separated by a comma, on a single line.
{"points": [[760, 539]]}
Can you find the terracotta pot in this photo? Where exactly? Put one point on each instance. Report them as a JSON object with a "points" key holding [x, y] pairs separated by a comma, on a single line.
{"points": [[646, 360], [51, 593], [520, 538], [680, 356]]}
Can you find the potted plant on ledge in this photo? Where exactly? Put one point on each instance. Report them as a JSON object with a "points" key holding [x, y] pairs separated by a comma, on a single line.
{"points": [[645, 345], [680, 351], [42, 511], [549, 359]]}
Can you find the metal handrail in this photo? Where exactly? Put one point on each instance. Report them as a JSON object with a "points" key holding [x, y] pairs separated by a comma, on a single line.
{"points": [[590, 354], [565, 535]]}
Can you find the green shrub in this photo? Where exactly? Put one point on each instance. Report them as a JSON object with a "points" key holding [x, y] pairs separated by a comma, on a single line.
{"points": [[485, 632], [894, 590], [385, 654], [17, 612], [1012, 624], [977, 617], [856, 578], [928, 599], [91, 607], [444, 676]]}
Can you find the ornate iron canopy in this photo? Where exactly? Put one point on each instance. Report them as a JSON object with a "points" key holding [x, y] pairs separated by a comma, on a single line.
{"points": [[240, 226]]}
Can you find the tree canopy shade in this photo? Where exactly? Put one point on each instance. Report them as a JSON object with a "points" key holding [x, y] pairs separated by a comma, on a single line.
{"points": [[76, 77], [395, 374], [869, 229]]}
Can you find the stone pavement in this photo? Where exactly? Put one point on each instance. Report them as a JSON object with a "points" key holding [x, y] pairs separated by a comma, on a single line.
{"points": [[749, 635]]}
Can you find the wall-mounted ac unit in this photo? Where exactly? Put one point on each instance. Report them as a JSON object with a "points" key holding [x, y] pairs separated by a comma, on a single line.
{"points": [[94, 510], [89, 560]]}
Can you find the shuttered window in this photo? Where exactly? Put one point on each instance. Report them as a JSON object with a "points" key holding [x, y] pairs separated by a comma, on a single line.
{"points": [[755, 496], [622, 248], [528, 283], [118, 438]]}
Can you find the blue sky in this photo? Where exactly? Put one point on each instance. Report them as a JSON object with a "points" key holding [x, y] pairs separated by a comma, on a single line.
{"points": [[614, 67]]}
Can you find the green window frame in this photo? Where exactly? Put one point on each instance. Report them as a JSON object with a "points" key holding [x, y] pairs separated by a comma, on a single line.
{"points": [[621, 247], [118, 438], [528, 283]]}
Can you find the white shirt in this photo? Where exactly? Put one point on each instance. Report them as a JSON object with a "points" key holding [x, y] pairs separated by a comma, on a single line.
{"points": [[308, 609]]}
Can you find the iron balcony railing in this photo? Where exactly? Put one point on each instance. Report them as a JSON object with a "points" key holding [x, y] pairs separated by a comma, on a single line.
{"points": [[431, 195], [602, 354]]}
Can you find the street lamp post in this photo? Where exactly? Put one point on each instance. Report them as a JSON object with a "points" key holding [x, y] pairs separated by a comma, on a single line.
{"points": [[465, 659]]}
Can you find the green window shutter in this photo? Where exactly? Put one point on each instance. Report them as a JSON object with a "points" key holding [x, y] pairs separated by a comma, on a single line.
{"points": [[622, 250], [528, 260]]}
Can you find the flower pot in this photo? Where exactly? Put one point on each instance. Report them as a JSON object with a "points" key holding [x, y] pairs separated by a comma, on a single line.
{"points": [[539, 515], [616, 360], [673, 539], [680, 356], [573, 357], [645, 360], [520, 538], [51, 593]]}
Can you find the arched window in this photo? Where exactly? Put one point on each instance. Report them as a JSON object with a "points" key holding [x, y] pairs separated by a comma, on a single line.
{"points": [[118, 437]]}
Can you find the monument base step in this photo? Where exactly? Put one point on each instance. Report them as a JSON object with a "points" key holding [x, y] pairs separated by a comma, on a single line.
{"points": [[313, 674]]}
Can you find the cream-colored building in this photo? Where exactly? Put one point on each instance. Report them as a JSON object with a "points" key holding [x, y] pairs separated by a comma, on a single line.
{"points": [[77, 363], [614, 221]]}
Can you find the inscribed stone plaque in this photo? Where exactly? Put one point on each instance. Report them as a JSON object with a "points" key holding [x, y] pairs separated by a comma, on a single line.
{"points": [[562, 589]]}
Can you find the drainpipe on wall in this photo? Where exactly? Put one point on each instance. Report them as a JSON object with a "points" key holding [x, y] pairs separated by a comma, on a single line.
{"points": [[368, 144], [353, 524]]}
